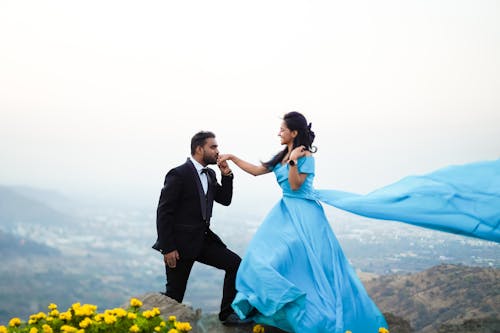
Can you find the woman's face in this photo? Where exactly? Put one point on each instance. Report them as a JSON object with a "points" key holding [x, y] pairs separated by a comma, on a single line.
{"points": [[285, 134]]}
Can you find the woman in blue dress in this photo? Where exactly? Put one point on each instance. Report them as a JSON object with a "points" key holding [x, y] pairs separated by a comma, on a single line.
{"points": [[294, 274]]}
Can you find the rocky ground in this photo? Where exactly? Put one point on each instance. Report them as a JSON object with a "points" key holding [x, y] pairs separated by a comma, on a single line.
{"points": [[211, 324]]}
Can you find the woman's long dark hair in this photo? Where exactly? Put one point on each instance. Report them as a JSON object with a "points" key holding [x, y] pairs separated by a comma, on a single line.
{"points": [[295, 121]]}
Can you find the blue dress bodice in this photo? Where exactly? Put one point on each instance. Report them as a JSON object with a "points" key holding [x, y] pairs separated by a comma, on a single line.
{"points": [[305, 165]]}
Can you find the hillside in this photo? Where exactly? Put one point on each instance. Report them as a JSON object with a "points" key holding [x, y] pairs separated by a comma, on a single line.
{"points": [[444, 294], [13, 246], [16, 208]]}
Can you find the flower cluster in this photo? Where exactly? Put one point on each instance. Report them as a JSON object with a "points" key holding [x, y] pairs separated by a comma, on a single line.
{"points": [[85, 319]]}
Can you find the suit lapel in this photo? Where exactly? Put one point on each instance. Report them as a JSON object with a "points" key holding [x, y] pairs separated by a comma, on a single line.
{"points": [[210, 192], [201, 193]]}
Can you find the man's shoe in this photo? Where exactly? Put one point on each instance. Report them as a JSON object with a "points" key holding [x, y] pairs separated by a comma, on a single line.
{"points": [[234, 320]]}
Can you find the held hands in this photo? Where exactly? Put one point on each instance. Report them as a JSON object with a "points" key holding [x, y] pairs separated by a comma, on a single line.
{"points": [[223, 165], [224, 158]]}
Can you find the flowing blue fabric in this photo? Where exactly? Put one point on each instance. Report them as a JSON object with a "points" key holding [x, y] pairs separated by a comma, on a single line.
{"points": [[294, 274], [463, 199]]}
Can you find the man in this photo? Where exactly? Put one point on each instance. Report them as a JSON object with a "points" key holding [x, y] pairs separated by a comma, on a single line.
{"points": [[183, 222]]}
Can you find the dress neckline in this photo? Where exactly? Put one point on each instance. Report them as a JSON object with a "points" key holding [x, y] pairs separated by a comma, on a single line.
{"points": [[284, 164]]}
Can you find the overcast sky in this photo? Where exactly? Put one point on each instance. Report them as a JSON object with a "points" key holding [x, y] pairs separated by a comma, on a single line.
{"points": [[103, 96]]}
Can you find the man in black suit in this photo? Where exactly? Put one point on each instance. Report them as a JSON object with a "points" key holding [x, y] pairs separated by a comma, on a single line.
{"points": [[183, 222]]}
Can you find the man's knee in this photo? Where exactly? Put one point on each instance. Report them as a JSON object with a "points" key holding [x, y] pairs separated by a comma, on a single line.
{"points": [[235, 263]]}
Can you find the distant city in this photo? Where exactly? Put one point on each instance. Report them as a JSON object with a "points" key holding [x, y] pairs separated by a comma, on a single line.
{"points": [[104, 256]]}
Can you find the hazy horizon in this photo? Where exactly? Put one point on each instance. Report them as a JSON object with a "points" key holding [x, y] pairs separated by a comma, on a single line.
{"points": [[102, 98]]}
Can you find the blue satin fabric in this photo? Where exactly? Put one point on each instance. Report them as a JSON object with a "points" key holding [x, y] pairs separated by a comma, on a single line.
{"points": [[462, 199], [294, 272]]}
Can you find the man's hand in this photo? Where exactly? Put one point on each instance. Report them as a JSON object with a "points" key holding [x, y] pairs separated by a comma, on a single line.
{"points": [[224, 168], [171, 258]]}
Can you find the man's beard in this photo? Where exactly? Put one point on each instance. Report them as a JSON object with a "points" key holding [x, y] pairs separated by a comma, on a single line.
{"points": [[209, 160]]}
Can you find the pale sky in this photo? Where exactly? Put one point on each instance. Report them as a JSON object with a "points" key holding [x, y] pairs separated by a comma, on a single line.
{"points": [[103, 97]]}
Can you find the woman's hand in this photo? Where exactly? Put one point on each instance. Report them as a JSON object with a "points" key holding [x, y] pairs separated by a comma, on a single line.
{"points": [[224, 157], [222, 164], [297, 153]]}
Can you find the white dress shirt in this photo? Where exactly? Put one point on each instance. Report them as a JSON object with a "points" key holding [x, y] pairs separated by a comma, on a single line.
{"points": [[203, 176]]}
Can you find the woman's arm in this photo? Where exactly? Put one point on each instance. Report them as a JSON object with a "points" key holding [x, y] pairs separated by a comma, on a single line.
{"points": [[255, 170], [295, 178]]}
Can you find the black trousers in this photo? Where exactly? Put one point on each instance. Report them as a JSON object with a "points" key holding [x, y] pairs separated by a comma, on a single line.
{"points": [[213, 254]]}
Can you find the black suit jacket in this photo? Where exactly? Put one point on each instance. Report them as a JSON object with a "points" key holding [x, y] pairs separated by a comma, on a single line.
{"points": [[184, 211]]}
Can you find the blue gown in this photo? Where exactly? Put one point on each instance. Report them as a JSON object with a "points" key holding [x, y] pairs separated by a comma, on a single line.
{"points": [[294, 272]]}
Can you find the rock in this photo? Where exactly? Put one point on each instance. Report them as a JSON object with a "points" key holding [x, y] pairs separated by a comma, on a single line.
{"points": [[168, 307], [200, 324], [397, 324], [483, 325], [212, 324]]}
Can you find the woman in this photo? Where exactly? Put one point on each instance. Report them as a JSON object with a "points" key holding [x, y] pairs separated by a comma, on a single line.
{"points": [[294, 275]]}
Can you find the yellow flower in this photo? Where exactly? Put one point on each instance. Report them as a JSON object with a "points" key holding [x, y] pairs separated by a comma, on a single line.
{"points": [[173, 330], [54, 313], [383, 330], [172, 318], [131, 316], [183, 326], [120, 313], [47, 329], [85, 323], [109, 319], [149, 314], [65, 316], [157, 329], [3, 329], [134, 329], [85, 310], [34, 318], [14, 322], [52, 306], [258, 329], [33, 330], [163, 324], [134, 302], [68, 329]]}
